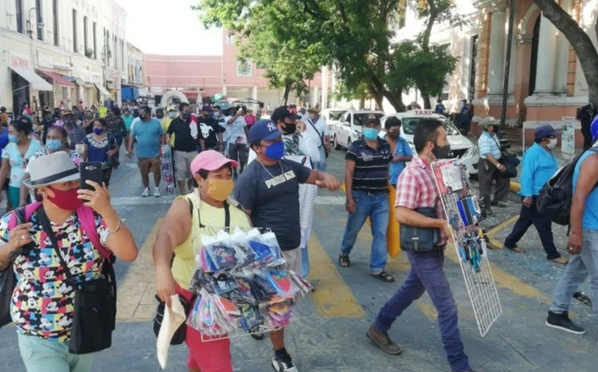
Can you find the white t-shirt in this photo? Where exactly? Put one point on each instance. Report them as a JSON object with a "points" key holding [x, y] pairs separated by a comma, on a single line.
{"points": [[321, 127], [235, 131]]}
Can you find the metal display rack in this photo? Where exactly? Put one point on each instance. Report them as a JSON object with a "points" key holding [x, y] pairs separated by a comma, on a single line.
{"points": [[469, 241]]}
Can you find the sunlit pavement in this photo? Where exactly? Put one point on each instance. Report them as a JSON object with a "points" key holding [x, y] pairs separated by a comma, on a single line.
{"points": [[328, 331]]}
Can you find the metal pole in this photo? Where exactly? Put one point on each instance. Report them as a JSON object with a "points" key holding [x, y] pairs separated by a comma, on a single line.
{"points": [[505, 90]]}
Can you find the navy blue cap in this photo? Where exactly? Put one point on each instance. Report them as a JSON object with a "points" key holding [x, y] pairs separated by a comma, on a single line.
{"points": [[283, 112], [264, 129], [545, 131]]}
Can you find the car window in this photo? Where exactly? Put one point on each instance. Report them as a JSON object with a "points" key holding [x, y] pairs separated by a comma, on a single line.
{"points": [[362, 118], [335, 115], [409, 125], [346, 119]]}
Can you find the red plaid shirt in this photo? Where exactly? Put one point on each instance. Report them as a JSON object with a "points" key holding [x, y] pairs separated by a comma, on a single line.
{"points": [[416, 188]]}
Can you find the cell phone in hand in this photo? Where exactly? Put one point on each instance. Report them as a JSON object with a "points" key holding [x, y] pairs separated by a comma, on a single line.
{"points": [[91, 171]]}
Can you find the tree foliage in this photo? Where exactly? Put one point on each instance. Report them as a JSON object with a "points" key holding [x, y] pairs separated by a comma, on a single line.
{"points": [[354, 36]]}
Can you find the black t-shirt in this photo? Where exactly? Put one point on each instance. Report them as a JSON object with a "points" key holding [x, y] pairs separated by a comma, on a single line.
{"points": [[272, 195], [183, 141], [208, 130]]}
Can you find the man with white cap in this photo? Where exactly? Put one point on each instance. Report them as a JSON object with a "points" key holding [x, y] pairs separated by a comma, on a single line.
{"points": [[539, 164]]}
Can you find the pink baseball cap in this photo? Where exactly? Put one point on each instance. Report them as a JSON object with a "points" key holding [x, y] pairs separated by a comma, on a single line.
{"points": [[210, 160]]}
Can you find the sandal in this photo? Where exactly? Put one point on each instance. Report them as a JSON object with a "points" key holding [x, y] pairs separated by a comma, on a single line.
{"points": [[344, 261], [384, 276]]}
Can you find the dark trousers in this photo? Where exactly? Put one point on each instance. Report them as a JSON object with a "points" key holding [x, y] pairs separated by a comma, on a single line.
{"points": [[426, 274], [587, 135], [486, 173], [531, 216]]}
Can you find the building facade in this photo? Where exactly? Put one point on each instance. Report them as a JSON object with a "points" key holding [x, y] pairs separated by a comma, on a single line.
{"points": [[60, 52], [546, 82], [201, 77]]}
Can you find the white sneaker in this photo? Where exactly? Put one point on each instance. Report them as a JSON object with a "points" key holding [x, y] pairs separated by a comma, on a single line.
{"points": [[156, 192], [283, 364], [145, 192]]}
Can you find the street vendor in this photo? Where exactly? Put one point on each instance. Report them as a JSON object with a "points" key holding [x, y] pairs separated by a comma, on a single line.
{"points": [[204, 211]]}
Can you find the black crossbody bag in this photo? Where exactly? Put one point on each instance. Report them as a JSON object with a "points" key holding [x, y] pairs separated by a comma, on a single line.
{"points": [[95, 303], [420, 239], [181, 333]]}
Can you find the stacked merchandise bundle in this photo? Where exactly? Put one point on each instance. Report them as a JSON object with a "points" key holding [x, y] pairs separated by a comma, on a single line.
{"points": [[464, 215], [167, 169], [242, 285]]}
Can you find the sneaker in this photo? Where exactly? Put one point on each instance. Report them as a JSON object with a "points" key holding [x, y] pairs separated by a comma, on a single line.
{"points": [[562, 322], [383, 341], [157, 192], [283, 363], [145, 192], [560, 260]]}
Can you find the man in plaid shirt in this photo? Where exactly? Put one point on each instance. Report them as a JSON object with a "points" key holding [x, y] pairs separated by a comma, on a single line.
{"points": [[416, 189]]}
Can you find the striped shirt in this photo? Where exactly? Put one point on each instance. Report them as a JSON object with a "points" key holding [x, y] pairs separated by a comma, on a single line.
{"points": [[488, 144], [371, 166]]}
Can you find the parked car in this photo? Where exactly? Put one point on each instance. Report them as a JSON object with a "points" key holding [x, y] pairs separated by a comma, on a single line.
{"points": [[461, 147], [332, 116], [349, 127]]}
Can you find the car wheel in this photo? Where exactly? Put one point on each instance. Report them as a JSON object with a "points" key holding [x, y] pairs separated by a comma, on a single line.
{"points": [[336, 145]]}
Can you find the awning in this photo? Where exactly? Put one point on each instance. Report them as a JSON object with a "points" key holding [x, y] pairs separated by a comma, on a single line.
{"points": [[103, 90], [36, 81], [82, 83], [58, 79]]}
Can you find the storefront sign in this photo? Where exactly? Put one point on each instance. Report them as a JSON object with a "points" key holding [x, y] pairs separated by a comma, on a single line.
{"points": [[568, 137], [157, 90], [18, 61]]}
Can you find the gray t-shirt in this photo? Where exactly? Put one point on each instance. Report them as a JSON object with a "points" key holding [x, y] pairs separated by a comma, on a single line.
{"points": [[272, 195]]}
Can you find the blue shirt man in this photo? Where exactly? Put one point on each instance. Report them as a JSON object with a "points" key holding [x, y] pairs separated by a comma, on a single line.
{"points": [[539, 164], [400, 149], [440, 108]]}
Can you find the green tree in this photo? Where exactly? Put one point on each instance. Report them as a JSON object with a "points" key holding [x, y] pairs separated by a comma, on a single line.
{"points": [[579, 40]]}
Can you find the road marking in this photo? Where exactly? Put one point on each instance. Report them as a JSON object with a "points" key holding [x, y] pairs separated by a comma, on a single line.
{"points": [[333, 298], [136, 293], [138, 200], [494, 243], [330, 200]]}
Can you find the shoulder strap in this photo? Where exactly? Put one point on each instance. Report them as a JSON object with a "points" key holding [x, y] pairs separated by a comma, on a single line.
{"points": [[87, 220], [24, 214], [226, 215], [317, 131], [47, 227]]}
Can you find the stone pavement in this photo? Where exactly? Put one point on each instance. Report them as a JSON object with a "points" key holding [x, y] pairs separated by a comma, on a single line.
{"points": [[328, 331]]}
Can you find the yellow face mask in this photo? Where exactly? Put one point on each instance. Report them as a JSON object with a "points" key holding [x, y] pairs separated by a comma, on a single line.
{"points": [[220, 189]]}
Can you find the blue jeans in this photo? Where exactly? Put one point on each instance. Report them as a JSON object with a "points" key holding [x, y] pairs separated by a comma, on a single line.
{"points": [[374, 206], [578, 269], [321, 165], [426, 274], [304, 262]]}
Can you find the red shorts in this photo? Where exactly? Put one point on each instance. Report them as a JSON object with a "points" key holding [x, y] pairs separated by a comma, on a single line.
{"points": [[211, 356]]}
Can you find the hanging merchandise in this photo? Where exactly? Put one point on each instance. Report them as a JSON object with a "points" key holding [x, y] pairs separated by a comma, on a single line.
{"points": [[463, 213], [167, 169], [242, 285]]}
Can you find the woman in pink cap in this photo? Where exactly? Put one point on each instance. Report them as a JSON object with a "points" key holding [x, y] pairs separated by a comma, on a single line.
{"points": [[204, 211]]}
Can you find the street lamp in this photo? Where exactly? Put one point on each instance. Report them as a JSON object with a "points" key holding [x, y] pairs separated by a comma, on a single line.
{"points": [[40, 23]]}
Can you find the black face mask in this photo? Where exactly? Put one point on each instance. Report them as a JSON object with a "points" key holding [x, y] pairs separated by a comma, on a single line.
{"points": [[441, 152], [186, 116], [393, 134], [142, 116], [159, 116], [290, 128]]}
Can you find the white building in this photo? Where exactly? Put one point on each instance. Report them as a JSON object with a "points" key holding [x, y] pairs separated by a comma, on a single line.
{"points": [[60, 52]]}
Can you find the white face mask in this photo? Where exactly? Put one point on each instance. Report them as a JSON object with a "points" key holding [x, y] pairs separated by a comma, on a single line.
{"points": [[552, 143], [172, 114]]}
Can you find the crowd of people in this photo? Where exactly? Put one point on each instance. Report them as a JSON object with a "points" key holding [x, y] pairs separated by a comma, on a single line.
{"points": [[235, 170]]}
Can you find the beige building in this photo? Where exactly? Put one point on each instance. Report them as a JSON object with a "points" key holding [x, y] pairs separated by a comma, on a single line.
{"points": [[60, 52]]}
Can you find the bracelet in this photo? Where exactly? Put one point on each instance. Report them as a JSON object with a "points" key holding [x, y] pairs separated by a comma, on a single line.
{"points": [[118, 227]]}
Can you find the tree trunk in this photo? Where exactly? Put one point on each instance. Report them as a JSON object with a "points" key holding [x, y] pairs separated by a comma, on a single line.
{"points": [[579, 40], [427, 102], [379, 98], [287, 91]]}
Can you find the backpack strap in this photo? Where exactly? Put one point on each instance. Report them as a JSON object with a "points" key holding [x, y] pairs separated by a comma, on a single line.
{"points": [[87, 219], [29, 209]]}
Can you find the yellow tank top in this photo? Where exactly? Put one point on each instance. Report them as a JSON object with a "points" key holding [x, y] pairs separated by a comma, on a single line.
{"points": [[212, 219]]}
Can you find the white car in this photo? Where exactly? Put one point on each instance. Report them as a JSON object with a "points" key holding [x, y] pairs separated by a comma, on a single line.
{"points": [[332, 116], [461, 146], [349, 127]]}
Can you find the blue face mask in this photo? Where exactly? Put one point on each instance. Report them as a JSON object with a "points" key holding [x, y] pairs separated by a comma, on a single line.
{"points": [[370, 134], [54, 144], [98, 131], [275, 151], [12, 138]]}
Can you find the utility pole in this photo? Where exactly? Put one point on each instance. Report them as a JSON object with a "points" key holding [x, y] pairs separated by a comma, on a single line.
{"points": [[505, 90]]}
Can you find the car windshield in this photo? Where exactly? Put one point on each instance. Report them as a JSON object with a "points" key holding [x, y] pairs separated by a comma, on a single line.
{"points": [[335, 115], [409, 125], [361, 118]]}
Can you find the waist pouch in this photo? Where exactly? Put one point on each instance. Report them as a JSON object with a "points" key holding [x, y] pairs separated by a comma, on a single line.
{"points": [[421, 239], [180, 334]]}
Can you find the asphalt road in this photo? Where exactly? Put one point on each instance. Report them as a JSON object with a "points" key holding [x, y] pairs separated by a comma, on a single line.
{"points": [[328, 331]]}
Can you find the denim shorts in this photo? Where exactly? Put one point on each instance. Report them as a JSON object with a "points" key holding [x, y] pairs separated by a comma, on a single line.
{"points": [[42, 355]]}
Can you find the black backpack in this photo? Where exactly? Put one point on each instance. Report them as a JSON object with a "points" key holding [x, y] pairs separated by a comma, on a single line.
{"points": [[554, 200]]}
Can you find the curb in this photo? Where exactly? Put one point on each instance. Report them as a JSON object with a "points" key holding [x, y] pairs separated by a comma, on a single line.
{"points": [[515, 186]]}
